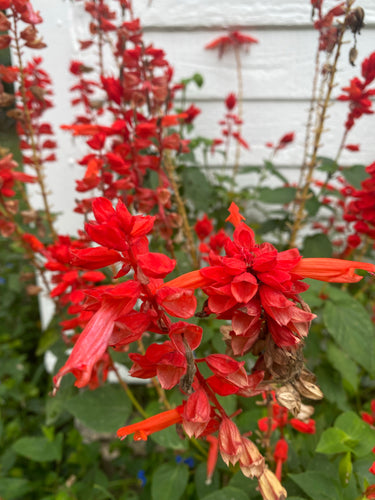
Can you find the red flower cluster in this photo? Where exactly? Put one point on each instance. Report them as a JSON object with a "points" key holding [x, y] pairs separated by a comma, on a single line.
{"points": [[360, 208], [358, 94], [143, 132]]}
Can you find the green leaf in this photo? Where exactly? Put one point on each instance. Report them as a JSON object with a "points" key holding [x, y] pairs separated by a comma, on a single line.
{"points": [[355, 175], [317, 485], [327, 165], [317, 245], [39, 449], [350, 326], [271, 168], [250, 169], [168, 438], [361, 436], [312, 204], [169, 482], [13, 488], [227, 493], [197, 188], [333, 441], [345, 469], [200, 481], [49, 336], [344, 365], [279, 195], [104, 410]]}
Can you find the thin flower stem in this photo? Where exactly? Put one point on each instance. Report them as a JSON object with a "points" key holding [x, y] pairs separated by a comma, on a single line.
{"points": [[128, 391], [31, 133], [313, 105], [237, 56], [210, 393], [171, 172], [318, 133]]}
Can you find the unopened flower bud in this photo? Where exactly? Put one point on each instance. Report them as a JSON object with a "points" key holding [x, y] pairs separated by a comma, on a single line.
{"points": [[353, 53]]}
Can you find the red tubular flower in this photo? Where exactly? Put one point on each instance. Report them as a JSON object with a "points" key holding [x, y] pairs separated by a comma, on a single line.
{"points": [[280, 455], [94, 340], [332, 270], [304, 427], [212, 457], [143, 429]]}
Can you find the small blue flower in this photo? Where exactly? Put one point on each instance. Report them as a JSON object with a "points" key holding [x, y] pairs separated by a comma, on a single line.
{"points": [[188, 461], [142, 477], [2, 280]]}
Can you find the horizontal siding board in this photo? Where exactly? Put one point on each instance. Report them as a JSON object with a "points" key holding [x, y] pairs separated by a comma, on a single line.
{"points": [[270, 121], [191, 13], [280, 66]]}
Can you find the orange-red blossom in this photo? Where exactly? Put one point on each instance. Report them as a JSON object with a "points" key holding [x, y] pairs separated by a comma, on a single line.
{"points": [[322, 269], [143, 429]]}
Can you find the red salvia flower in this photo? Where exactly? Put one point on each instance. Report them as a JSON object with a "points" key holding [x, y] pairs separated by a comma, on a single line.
{"points": [[143, 429], [233, 39]]}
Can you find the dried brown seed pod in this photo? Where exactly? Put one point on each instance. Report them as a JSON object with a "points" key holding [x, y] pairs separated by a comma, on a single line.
{"points": [[288, 397], [308, 389], [355, 19]]}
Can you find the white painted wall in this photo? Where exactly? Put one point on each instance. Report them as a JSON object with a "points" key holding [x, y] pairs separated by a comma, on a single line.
{"points": [[277, 75]]}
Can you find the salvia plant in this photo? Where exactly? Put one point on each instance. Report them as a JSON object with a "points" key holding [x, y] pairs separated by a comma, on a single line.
{"points": [[232, 325]]}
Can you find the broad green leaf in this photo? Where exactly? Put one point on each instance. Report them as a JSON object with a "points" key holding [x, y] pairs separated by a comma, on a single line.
{"points": [[330, 383], [39, 449], [168, 438], [104, 410], [14, 488], [200, 476], [344, 365], [355, 175], [197, 188], [361, 437], [312, 204], [317, 245], [279, 195], [317, 485], [169, 482], [274, 171], [327, 165], [49, 336], [350, 326], [333, 441], [227, 493]]}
